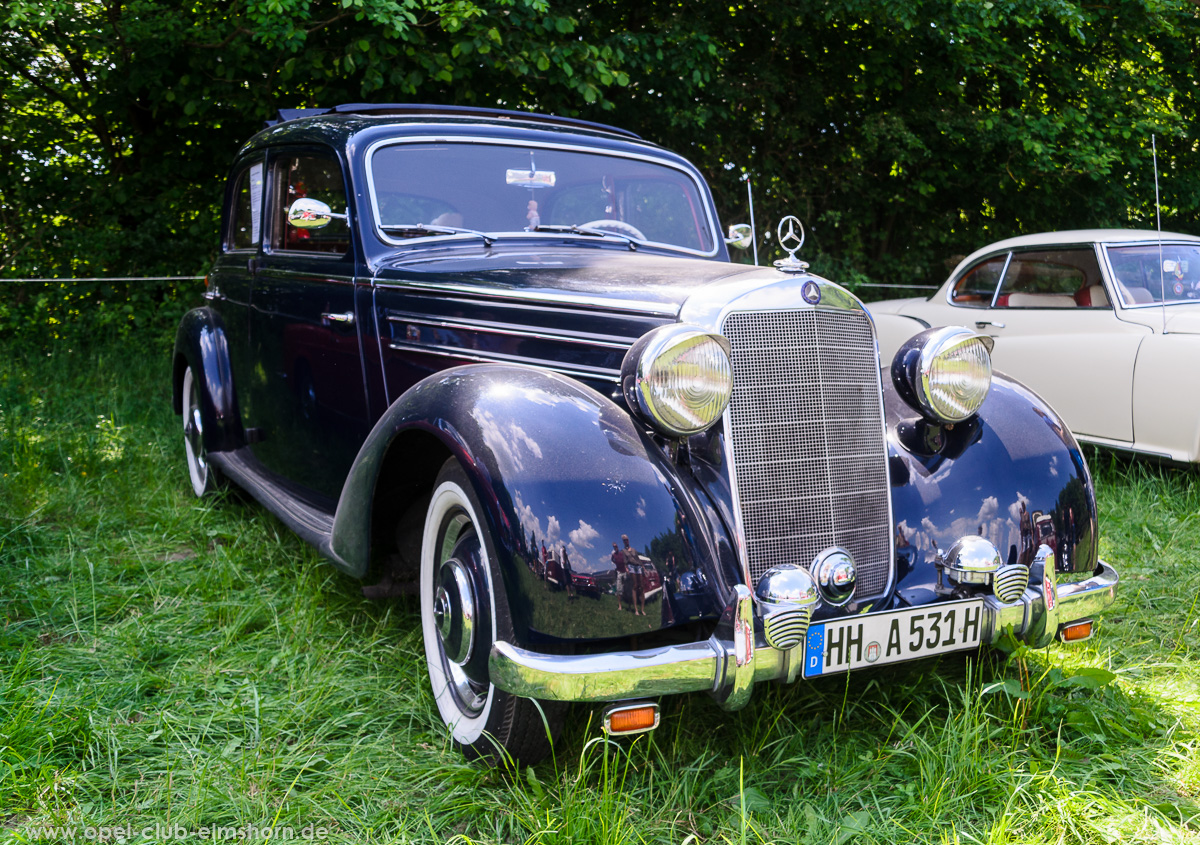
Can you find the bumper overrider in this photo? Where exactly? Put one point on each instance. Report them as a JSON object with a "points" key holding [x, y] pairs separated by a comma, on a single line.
{"points": [[738, 655]]}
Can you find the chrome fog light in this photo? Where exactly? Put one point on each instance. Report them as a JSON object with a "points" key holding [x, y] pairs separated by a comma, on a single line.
{"points": [[836, 574], [972, 560], [787, 597], [945, 373], [678, 378]]}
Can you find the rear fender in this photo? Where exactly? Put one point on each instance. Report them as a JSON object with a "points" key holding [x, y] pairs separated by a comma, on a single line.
{"points": [[200, 344]]}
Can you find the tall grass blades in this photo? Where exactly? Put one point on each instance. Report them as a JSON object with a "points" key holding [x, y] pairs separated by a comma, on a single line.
{"points": [[170, 666]]}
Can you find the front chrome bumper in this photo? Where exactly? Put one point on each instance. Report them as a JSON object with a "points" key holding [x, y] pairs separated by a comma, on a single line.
{"points": [[733, 659]]}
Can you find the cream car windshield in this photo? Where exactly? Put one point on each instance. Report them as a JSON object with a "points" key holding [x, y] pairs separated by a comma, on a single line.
{"points": [[429, 189], [1150, 273]]}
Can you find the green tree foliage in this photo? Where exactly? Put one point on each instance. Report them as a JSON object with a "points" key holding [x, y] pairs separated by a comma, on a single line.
{"points": [[901, 132], [120, 118], [905, 131]]}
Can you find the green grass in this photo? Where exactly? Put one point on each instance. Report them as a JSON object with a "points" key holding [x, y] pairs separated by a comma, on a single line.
{"points": [[166, 661]]}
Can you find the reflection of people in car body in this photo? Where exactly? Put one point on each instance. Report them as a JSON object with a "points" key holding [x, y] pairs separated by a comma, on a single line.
{"points": [[566, 573], [636, 580], [618, 561]]}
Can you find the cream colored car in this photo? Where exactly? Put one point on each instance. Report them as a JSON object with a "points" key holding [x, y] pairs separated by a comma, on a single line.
{"points": [[1103, 323]]}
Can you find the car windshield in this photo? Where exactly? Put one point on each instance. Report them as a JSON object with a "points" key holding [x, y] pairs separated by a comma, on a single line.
{"points": [[424, 189], [1152, 273]]}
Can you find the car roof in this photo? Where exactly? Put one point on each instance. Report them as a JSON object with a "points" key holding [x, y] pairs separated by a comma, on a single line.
{"points": [[338, 125], [430, 110], [1070, 237]]}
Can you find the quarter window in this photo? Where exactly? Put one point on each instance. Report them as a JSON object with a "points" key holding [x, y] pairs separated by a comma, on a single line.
{"points": [[245, 225], [313, 177], [977, 286]]}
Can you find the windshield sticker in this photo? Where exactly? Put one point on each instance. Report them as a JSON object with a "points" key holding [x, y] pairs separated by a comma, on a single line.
{"points": [[530, 178]]}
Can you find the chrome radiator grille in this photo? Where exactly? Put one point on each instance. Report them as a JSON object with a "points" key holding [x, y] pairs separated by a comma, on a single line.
{"points": [[805, 427]]}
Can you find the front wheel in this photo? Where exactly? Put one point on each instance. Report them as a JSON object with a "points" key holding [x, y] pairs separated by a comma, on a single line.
{"points": [[462, 615]]}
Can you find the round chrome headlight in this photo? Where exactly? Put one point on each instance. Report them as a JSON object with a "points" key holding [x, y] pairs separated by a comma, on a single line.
{"points": [[678, 378], [944, 373]]}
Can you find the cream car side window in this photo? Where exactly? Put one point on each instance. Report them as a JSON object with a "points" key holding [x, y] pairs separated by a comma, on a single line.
{"points": [[1055, 278]]}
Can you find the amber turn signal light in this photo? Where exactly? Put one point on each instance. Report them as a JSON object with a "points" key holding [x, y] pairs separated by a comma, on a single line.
{"points": [[1076, 631], [625, 719]]}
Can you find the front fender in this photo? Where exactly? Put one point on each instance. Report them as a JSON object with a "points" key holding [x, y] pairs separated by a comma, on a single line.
{"points": [[200, 344], [561, 471], [1013, 474]]}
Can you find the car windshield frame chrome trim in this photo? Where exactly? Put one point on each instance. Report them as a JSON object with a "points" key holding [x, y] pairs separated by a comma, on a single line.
{"points": [[701, 193]]}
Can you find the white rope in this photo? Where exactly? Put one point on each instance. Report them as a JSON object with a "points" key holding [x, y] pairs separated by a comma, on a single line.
{"points": [[112, 279]]}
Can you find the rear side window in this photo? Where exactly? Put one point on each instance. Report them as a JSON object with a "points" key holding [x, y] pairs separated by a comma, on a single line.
{"points": [[245, 224], [312, 176], [1060, 278], [977, 286]]}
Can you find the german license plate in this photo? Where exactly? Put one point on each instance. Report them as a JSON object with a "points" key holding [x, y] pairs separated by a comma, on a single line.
{"points": [[873, 639]]}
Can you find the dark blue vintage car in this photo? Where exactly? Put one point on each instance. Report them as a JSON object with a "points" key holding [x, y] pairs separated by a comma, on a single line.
{"points": [[504, 359]]}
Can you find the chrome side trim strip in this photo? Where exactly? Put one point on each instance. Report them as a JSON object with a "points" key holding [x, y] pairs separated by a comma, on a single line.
{"points": [[592, 303], [499, 357], [510, 330]]}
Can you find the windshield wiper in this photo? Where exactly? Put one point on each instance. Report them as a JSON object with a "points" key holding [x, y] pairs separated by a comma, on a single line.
{"points": [[418, 229], [586, 230]]}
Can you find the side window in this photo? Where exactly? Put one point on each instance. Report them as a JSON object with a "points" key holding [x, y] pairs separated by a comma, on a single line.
{"points": [[315, 177], [977, 286], [245, 218], [1061, 278]]}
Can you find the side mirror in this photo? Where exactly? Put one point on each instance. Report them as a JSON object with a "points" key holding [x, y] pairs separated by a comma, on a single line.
{"points": [[740, 235], [308, 213]]}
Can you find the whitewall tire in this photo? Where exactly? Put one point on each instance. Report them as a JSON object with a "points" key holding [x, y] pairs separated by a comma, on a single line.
{"points": [[462, 614]]}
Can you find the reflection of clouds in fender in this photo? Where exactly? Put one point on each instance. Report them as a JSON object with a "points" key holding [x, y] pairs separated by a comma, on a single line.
{"points": [[577, 539], [583, 535], [641, 507], [1054, 466], [1001, 531], [505, 440]]}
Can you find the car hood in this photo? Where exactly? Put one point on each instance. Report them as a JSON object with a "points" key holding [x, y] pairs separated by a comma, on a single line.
{"points": [[635, 281]]}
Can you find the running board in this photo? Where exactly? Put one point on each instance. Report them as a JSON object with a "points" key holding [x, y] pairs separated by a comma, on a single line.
{"points": [[315, 526]]}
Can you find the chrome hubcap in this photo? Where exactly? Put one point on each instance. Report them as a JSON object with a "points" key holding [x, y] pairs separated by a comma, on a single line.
{"points": [[454, 611]]}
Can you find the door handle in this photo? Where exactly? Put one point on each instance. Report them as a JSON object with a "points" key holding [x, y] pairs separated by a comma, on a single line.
{"points": [[979, 324], [345, 318]]}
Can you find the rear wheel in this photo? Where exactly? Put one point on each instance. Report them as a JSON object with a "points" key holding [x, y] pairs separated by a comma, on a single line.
{"points": [[462, 614], [204, 477]]}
